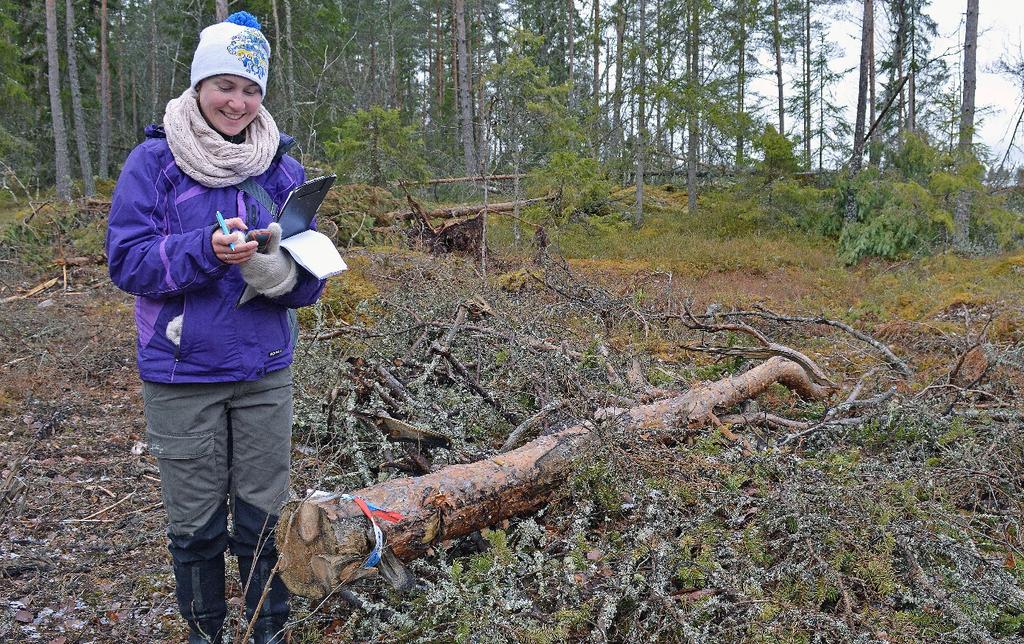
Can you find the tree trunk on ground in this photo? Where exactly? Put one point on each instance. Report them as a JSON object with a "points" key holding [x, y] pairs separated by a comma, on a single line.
{"points": [[60, 137], [641, 124], [105, 103], [462, 211], [323, 543], [777, 43], [465, 105], [221, 10], [962, 211], [866, 35]]}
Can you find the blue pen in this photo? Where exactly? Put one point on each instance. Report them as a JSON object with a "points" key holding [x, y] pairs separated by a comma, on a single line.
{"points": [[224, 228]]}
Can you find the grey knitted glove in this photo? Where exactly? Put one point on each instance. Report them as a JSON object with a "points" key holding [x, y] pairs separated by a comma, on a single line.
{"points": [[271, 273]]}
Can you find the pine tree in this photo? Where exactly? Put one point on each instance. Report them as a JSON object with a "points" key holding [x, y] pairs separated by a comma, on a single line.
{"points": [[962, 211], [60, 137], [78, 114]]}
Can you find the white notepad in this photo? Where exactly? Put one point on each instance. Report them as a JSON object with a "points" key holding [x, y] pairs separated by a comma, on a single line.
{"points": [[315, 252]]}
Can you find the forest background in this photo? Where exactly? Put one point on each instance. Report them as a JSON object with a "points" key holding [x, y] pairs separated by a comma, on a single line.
{"points": [[586, 97]]}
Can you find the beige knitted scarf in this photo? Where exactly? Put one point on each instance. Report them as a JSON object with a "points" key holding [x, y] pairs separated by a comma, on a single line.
{"points": [[203, 154]]}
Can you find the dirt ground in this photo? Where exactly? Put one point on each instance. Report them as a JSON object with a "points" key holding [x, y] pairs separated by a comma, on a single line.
{"points": [[83, 553], [82, 545]]}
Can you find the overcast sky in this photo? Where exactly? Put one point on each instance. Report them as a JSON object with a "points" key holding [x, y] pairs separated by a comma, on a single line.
{"points": [[1000, 29]]}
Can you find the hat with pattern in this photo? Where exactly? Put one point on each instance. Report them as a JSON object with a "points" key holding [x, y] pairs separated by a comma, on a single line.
{"points": [[235, 46]]}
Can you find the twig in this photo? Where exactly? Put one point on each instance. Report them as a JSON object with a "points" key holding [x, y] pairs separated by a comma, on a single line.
{"points": [[473, 384], [520, 431], [96, 514], [814, 372], [887, 354]]}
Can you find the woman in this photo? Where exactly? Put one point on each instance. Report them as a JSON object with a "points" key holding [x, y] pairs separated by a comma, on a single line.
{"points": [[216, 374]]}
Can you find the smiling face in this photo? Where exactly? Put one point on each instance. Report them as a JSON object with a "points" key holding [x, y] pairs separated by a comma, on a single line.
{"points": [[229, 103]]}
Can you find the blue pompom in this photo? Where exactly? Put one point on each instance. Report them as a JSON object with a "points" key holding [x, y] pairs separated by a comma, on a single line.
{"points": [[245, 19]]}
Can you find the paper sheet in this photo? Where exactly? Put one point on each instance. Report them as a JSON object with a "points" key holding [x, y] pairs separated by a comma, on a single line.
{"points": [[315, 252]]}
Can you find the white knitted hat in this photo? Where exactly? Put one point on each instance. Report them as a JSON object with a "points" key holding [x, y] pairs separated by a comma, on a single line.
{"points": [[235, 46]]}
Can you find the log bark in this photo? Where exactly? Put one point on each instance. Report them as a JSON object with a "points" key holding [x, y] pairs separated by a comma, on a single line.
{"points": [[461, 211], [447, 180], [324, 540]]}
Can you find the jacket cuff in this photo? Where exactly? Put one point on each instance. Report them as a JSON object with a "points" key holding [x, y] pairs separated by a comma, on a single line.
{"points": [[213, 265]]}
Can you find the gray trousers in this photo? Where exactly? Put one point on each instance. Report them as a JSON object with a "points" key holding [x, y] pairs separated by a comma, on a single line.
{"points": [[220, 441]]}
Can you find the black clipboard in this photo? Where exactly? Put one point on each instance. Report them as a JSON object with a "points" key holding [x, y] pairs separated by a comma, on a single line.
{"points": [[301, 205]]}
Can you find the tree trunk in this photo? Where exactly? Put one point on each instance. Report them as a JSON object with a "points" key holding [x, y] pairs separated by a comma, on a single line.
{"points": [[221, 10], [77, 113], [807, 84], [596, 88], [105, 102], [912, 84], [962, 211], [289, 64], [641, 124], [866, 36], [874, 152], [620, 34], [323, 541], [282, 118], [777, 42], [741, 72], [570, 37], [154, 81], [821, 64], [60, 137], [693, 71], [465, 104]]}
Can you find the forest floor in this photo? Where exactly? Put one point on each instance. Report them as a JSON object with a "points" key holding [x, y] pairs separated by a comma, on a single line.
{"points": [[902, 526]]}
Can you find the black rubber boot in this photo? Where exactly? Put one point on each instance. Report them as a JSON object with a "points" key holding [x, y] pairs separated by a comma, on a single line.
{"points": [[199, 579], [273, 615], [200, 592], [253, 543]]}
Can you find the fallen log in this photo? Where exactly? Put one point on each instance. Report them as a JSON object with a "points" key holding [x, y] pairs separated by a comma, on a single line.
{"points": [[324, 540], [447, 180], [462, 211]]}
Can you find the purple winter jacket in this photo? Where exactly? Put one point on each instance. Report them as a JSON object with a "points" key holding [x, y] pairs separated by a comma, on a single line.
{"points": [[158, 249]]}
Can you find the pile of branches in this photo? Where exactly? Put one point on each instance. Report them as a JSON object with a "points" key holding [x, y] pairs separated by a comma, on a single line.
{"points": [[880, 511]]}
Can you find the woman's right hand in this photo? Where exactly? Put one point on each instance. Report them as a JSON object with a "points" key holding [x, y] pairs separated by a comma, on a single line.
{"points": [[222, 243]]}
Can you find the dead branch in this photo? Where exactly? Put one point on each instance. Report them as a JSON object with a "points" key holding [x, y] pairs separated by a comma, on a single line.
{"points": [[520, 432], [768, 348], [887, 354]]}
